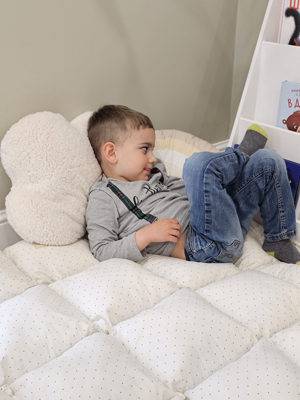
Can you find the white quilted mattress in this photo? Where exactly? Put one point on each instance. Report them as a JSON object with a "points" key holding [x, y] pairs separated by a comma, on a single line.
{"points": [[73, 328]]}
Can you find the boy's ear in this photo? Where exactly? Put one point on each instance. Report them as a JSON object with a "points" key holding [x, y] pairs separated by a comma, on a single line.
{"points": [[109, 152]]}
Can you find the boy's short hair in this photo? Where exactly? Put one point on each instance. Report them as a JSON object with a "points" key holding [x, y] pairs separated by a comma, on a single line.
{"points": [[112, 123]]}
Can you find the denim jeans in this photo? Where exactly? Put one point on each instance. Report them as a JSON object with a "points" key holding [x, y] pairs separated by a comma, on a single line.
{"points": [[225, 191]]}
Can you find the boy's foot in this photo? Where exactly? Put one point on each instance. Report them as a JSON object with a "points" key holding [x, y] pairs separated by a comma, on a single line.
{"points": [[255, 138], [284, 251]]}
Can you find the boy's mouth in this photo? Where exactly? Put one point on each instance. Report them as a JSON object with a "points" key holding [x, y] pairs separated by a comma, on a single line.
{"points": [[148, 170]]}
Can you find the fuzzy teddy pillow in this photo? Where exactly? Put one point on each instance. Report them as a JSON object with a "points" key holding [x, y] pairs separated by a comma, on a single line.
{"points": [[51, 166]]}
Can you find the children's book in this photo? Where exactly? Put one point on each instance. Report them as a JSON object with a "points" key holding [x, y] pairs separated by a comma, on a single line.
{"points": [[289, 29], [288, 116], [293, 171]]}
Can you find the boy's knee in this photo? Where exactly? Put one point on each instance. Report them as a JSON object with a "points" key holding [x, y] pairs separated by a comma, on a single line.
{"points": [[268, 154], [270, 158], [196, 162]]}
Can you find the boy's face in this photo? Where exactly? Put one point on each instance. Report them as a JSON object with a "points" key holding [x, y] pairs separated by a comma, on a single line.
{"points": [[135, 156]]}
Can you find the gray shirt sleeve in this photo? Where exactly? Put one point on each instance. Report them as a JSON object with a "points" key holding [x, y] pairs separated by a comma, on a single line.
{"points": [[102, 227]]}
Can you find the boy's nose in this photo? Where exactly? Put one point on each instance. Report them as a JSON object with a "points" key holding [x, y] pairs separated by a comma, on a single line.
{"points": [[152, 158]]}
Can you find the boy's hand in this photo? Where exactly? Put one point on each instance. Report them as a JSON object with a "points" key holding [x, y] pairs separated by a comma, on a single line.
{"points": [[164, 230]]}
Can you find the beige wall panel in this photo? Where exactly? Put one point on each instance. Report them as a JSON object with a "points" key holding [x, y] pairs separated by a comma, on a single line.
{"points": [[171, 59]]}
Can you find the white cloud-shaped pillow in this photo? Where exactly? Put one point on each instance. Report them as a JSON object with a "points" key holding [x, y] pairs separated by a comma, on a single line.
{"points": [[52, 166]]}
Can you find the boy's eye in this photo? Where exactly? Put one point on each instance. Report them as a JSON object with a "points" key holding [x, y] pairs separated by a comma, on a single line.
{"points": [[145, 148]]}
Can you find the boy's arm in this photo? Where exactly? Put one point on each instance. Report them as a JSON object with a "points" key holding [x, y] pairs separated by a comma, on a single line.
{"points": [[164, 230], [102, 227]]}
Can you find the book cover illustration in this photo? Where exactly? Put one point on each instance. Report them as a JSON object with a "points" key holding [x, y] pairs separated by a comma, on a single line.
{"points": [[288, 116], [289, 29]]}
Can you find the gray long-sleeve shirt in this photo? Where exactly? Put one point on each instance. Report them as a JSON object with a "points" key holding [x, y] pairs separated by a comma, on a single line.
{"points": [[111, 225]]}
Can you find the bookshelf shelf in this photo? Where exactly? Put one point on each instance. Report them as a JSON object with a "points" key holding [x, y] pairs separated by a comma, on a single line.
{"points": [[272, 64], [288, 149]]}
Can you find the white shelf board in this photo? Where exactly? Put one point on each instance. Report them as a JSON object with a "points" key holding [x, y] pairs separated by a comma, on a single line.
{"points": [[275, 68], [286, 143]]}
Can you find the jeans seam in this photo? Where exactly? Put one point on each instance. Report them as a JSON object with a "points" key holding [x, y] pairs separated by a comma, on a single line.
{"points": [[251, 180], [206, 202], [279, 198]]}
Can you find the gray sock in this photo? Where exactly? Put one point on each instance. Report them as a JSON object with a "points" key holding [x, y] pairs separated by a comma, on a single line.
{"points": [[255, 138], [283, 250]]}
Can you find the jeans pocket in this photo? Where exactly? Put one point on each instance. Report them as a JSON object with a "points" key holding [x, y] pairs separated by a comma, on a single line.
{"points": [[198, 246], [201, 249]]}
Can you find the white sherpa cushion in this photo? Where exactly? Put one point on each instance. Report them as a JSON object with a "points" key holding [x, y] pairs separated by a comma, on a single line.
{"points": [[81, 122], [52, 166]]}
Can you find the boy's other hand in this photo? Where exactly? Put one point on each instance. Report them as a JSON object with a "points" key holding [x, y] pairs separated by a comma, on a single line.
{"points": [[164, 230]]}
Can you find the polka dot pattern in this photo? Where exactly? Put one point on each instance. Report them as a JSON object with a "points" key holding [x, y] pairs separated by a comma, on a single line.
{"points": [[114, 290], [253, 255], [287, 272], [262, 303], [288, 342], [74, 328], [263, 373], [184, 339], [36, 327], [4, 396], [50, 263], [12, 280], [195, 274], [105, 370]]}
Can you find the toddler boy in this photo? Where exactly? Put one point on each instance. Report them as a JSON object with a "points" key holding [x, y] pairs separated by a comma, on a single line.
{"points": [[135, 208]]}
